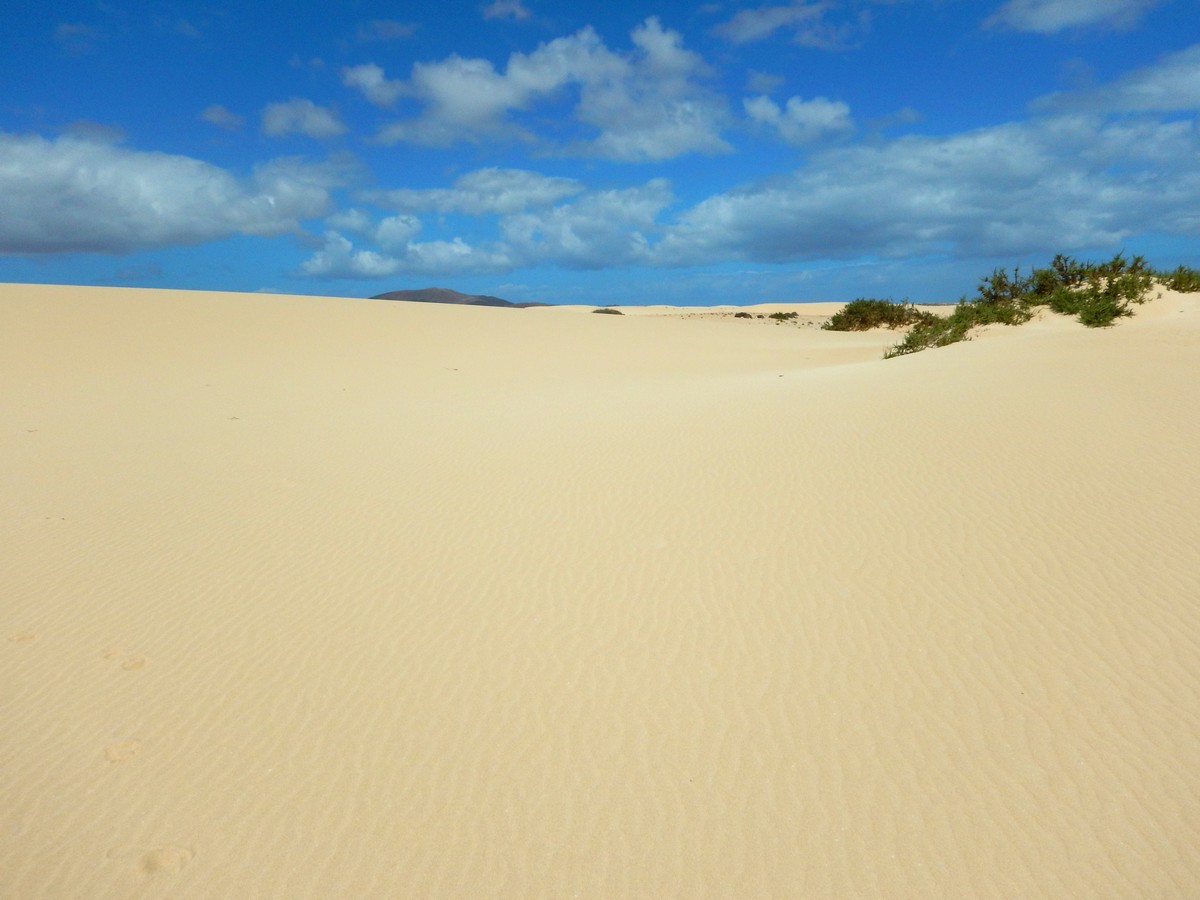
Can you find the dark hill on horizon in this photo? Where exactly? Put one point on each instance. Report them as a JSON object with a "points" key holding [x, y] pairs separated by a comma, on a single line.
{"points": [[445, 295]]}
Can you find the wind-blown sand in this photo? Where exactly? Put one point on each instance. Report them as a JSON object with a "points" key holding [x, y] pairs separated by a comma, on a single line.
{"points": [[307, 597]]}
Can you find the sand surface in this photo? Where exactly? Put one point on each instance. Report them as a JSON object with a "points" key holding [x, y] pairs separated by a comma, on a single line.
{"points": [[308, 597]]}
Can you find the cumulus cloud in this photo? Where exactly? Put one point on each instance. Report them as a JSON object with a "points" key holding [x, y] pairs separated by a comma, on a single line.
{"points": [[648, 104], [356, 221], [1050, 16], [660, 111], [1060, 182], [506, 9], [598, 230], [338, 258], [490, 190], [218, 115], [397, 232], [467, 99], [1170, 85], [594, 230], [300, 116], [1064, 182], [73, 195], [801, 121], [1097, 167], [375, 86]]}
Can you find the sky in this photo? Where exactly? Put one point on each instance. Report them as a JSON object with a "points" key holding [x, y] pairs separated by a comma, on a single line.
{"points": [[594, 152]]}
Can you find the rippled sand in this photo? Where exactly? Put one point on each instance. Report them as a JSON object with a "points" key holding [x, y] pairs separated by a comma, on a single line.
{"points": [[307, 597]]}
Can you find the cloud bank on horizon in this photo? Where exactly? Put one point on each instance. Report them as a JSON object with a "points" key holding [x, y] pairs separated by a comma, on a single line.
{"points": [[521, 150]]}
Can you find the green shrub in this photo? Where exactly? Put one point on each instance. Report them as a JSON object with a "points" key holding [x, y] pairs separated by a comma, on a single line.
{"points": [[1069, 272], [1097, 294], [783, 316], [609, 310], [1009, 312], [864, 314], [1044, 282], [1182, 279], [940, 331], [743, 315], [1000, 289], [1106, 292]]}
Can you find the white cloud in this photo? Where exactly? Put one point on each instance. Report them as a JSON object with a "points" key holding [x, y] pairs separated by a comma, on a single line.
{"points": [[660, 111], [490, 190], [289, 183], [647, 104], [808, 22], [599, 230], [356, 221], [1050, 16], [1170, 85], [595, 230], [300, 116], [218, 115], [338, 258], [801, 121], [1061, 183], [72, 195], [506, 9], [466, 99], [1057, 183], [376, 87], [397, 232]]}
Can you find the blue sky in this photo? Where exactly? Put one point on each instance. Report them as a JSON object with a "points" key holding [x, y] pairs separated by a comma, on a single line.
{"points": [[595, 152]]}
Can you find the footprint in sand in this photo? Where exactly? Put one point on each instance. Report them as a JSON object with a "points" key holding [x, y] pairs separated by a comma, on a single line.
{"points": [[122, 750], [22, 637], [129, 663], [166, 860], [170, 859]]}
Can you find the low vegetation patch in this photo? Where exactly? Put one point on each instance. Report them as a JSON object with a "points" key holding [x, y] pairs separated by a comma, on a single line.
{"points": [[864, 314], [608, 310], [1182, 279], [783, 316], [1097, 294]]}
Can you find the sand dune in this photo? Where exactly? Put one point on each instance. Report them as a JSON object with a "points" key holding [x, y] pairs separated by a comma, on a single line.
{"points": [[309, 597]]}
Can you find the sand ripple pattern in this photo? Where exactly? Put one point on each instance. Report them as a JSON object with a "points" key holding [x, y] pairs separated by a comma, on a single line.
{"points": [[313, 598]]}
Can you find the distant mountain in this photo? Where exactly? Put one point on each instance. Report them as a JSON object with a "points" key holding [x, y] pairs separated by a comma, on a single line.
{"points": [[445, 295]]}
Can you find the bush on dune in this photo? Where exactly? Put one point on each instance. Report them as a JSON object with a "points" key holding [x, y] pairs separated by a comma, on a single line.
{"points": [[1096, 294], [864, 314], [1182, 279]]}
